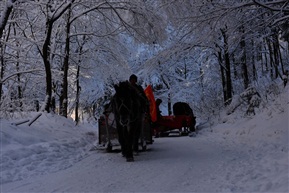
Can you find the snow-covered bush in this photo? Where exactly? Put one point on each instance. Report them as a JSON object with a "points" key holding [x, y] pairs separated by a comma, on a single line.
{"points": [[250, 99]]}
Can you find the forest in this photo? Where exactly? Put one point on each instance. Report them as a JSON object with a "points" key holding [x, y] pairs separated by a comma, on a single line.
{"points": [[64, 56]]}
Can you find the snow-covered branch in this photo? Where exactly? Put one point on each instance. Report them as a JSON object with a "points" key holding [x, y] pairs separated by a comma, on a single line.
{"points": [[87, 11], [17, 73], [5, 15], [282, 4], [60, 10]]}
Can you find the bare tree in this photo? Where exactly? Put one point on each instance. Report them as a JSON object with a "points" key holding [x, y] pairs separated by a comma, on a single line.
{"points": [[53, 14], [118, 17], [3, 22], [5, 15]]}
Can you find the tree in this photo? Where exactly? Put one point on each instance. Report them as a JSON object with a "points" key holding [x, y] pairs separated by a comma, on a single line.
{"points": [[3, 22], [5, 15], [228, 81], [197, 22], [52, 15]]}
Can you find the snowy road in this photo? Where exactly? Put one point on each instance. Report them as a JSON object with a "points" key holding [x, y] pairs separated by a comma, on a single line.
{"points": [[238, 154], [173, 164]]}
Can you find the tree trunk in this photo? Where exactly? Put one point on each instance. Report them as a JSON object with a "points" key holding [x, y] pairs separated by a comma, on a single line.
{"points": [[5, 16], [235, 71], [266, 58], [64, 93], [78, 87], [276, 55], [46, 61], [244, 66], [46, 55], [77, 95], [222, 70], [228, 82], [169, 96], [244, 60], [271, 61], [2, 69], [19, 87], [255, 74]]}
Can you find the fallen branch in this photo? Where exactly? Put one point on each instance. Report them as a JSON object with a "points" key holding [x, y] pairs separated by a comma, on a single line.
{"points": [[34, 119], [20, 122]]}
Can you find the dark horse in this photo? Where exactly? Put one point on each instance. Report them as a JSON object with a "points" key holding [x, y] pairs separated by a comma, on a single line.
{"points": [[127, 109]]}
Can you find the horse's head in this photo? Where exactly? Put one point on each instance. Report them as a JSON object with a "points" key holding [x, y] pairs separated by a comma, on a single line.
{"points": [[123, 102]]}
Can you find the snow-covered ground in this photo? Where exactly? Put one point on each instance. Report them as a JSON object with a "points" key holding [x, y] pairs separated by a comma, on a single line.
{"points": [[235, 154]]}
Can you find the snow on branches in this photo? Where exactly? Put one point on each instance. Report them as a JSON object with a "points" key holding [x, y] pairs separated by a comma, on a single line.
{"points": [[250, 98]]}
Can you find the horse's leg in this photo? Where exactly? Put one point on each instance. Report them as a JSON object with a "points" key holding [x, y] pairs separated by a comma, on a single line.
{"points": [[137, 133], [121, 139], [129, 143]]}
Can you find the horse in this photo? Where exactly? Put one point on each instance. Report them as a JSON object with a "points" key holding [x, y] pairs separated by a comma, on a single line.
{"points": [[127, 108]]}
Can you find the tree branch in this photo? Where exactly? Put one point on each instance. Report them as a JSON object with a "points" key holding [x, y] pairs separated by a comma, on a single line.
{"points": [[17, 73]]}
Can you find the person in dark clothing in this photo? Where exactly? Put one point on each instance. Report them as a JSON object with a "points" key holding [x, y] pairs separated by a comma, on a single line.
{"points": [[144, 104], [133, 81], [158, 131]]}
